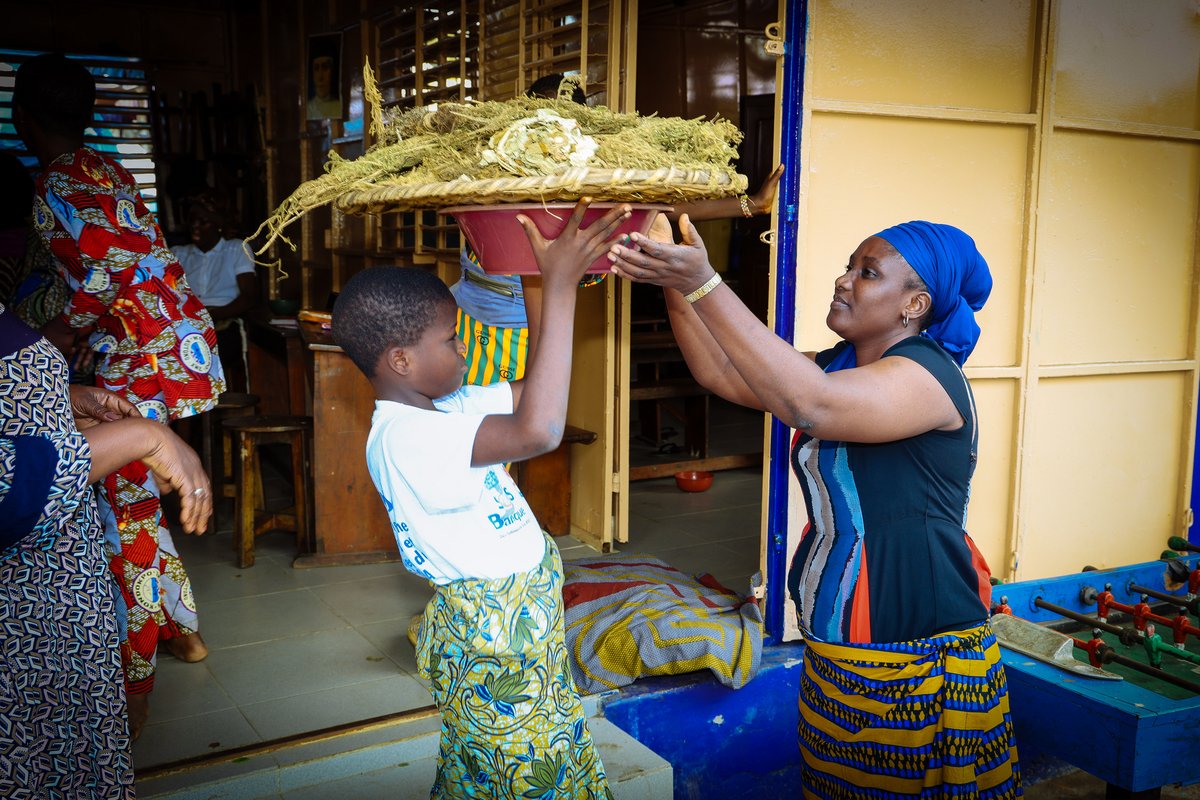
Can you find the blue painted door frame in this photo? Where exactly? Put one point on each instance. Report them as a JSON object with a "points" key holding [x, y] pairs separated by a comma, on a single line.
{"points": [[791, 116]]}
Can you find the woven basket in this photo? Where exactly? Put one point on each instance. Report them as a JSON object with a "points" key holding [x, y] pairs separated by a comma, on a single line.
{"points": [[666, 185]]}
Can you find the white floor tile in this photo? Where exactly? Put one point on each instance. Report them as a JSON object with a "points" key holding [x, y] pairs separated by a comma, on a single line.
{"points": [[265, 618], [389, 597], [314, 710], [299, 665], [184, 690], [191, 736]]}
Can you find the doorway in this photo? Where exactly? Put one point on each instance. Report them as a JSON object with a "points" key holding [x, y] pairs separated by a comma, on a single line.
{"points": [[702, 60]]}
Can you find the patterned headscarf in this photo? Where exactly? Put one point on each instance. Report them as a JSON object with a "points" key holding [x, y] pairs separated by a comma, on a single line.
{"points": [[957, 276]]}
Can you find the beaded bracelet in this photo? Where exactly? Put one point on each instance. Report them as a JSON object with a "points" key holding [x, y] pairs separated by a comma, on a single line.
{"points": [[744, 202]]}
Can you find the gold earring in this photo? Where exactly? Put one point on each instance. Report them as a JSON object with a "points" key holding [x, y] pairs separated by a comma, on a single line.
{"points": [[906, 319]]}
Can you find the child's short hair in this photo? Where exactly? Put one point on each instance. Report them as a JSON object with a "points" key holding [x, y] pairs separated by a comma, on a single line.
{"points": [[384, 307]]}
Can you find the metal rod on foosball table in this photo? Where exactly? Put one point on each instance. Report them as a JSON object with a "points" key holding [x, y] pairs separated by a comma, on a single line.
{"points": [[1112, 655], [1108, 627], [1191, 605]]}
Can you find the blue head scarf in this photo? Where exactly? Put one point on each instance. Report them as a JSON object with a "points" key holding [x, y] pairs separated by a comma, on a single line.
{"points": [[957, 276]]}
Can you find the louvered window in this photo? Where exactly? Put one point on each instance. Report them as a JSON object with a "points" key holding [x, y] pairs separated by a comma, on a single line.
{"points": [[121, 127]]}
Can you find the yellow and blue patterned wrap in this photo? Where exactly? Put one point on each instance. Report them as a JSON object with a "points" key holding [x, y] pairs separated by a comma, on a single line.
{"points": [[927, 718], [512, 724]]}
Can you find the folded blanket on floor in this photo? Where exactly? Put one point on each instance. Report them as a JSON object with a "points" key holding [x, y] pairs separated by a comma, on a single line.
{"points": [[628, 616]]}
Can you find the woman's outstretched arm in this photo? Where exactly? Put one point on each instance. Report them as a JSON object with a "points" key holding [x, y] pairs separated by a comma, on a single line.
{"points": [[888, 400]]}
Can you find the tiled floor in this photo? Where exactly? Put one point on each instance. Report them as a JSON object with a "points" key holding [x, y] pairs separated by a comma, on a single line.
{"points": [[296, 650]]}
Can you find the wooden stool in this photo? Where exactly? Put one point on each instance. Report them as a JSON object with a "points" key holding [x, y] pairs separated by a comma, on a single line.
{"points": [[251, 519], [229, 404]]}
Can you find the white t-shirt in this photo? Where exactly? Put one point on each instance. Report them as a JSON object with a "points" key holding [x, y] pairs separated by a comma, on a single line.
{"points": [[213, 275], [451, 520]]}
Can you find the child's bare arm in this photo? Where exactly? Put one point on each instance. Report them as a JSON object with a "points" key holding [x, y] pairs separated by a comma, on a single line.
{"points": [[536, 425]]}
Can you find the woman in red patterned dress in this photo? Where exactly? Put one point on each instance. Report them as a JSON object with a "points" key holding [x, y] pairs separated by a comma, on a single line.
{"points": [[152, 339]]}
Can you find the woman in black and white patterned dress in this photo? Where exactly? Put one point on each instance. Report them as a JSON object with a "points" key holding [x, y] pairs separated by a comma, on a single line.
{"points": [[62, 698]]}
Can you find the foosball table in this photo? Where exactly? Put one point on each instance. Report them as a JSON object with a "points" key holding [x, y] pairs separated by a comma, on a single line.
{"points": [[1103, 669]]}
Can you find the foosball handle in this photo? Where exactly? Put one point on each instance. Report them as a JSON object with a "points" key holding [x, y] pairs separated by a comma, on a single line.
{"points": [[1182, 545], [1177, 570], [1095, 656]]}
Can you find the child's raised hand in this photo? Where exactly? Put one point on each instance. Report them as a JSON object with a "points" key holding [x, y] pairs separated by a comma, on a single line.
{"points": [[567, 257]]}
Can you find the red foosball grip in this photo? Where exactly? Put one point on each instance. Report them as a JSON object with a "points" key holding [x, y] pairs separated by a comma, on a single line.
{"points": [[1179, 628], [1093, 650], [1141, 612]]}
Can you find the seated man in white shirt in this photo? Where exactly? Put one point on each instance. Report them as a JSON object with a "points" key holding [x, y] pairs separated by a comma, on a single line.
{"points": [[221, 273]]}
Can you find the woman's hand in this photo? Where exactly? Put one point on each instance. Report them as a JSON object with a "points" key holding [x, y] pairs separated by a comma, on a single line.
{"points": [[92, 405], [682, 267], [567, 257], [177, 467]]}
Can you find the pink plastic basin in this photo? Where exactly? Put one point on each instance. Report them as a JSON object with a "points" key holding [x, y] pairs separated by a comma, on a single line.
{"points": [[500, 242]]}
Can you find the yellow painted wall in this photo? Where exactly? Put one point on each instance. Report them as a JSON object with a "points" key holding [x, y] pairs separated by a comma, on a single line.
{"points": [[1063, 137]]}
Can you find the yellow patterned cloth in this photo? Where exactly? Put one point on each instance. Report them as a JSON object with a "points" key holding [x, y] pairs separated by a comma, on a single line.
{"points": [[512, 724], [922, 719], [493, 354], [629, 616]]}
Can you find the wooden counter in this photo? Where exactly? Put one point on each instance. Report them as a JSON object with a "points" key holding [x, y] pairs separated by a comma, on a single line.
{"points": [[351, 526], [278, 372]]}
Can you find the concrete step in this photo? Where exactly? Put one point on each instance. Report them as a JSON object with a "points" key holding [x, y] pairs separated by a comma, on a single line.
{"points": [[396, 762]]}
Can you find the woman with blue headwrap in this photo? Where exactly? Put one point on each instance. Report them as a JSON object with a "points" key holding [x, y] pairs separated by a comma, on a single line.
{"points": [[903, 693]]}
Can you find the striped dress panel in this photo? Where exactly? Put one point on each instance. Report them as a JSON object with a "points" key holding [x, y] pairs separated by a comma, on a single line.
{"points": [[836, 552]]}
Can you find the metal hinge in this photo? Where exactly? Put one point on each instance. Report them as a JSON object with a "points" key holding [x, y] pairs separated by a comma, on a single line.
{"points": [[1189, 517]]}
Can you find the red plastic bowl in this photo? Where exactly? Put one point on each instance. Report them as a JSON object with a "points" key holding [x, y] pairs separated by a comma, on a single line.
{"points": [[693, 480], [499, 240]]}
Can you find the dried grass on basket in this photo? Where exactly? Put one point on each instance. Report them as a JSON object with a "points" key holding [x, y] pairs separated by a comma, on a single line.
{"points": [[433, 157]]}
